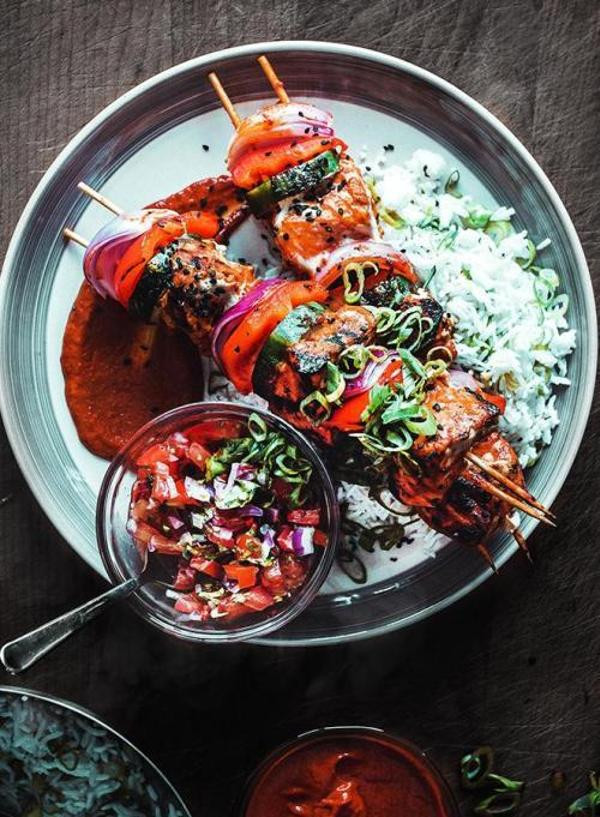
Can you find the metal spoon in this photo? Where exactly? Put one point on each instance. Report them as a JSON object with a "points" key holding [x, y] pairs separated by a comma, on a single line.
{"points": [[23, 652]]}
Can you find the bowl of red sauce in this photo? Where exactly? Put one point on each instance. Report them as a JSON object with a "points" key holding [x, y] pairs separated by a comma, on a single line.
{"points": [[348, 771], [234, 511]]}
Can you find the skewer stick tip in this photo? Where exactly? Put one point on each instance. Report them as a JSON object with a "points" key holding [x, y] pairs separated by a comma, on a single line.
{"points": [[224, 99], [71, 235], [274, 81], [100, 198]]}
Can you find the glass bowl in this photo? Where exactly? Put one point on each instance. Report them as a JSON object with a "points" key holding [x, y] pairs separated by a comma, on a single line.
{"points": [[431, 779], [114, 541]]}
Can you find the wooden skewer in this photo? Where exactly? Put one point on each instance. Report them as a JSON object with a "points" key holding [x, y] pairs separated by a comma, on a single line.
{"points": [[274, 81], [225, 101], [516, 489], [519, 538], [486, 555], [103, 200], [516, 503], [73, 236]]}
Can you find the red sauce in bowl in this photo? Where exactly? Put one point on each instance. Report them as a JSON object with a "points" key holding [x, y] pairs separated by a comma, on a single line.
{"points": [[110, 397], [348, 773]]}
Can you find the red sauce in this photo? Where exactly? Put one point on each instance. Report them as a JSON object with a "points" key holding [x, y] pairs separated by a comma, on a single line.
{"points": [[109, 395], [349, 774]]}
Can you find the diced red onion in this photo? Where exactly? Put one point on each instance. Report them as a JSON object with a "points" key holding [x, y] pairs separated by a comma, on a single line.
{"points": [[175, 522], [250, 510], [302, 541], [197, 490], [110, 244], [272, 514], [231, 319]]}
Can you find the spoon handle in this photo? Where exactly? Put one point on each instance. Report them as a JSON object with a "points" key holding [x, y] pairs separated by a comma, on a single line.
{"points": [[23, 652]]}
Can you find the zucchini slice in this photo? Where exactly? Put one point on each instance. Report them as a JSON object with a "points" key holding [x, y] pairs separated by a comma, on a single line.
{"points": [[292, 181], [290, 330]]}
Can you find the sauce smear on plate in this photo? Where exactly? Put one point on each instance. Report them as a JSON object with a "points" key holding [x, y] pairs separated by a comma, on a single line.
{"points": [[108, 395]]}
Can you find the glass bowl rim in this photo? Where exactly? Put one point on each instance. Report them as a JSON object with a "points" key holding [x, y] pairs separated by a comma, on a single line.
{"points": [[147, 611], [345, 730]]}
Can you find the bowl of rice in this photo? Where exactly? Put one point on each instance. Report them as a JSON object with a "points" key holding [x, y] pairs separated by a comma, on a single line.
{"points": [[57, 758]]}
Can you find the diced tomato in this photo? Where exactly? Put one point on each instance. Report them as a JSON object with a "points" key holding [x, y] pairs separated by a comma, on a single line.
{"points": [[242, 348], [244, 575], [281, 488], [156, 453], [272, 579], [258, 599], [320, 539], [284, 538], [192, 604], [160, 544], [232, 609], [208, 566], [133, 262], [304, 516], [348, 416], [198, 454], [178, 444], [255, 166], [214, 431], [185, 579], [247, 544], [293, 570], [219, 536]]}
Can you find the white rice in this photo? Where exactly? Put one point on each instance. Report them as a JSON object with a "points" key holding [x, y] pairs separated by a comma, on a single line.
{"points": [[504, 331]]}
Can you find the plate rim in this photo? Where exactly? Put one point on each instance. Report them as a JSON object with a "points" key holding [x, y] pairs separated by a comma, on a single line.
{"points": [[27, 465]]}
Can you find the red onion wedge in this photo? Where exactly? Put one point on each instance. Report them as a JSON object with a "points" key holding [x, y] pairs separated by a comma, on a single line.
{"points": [[276, 124], [111, 242], [231, 319]]}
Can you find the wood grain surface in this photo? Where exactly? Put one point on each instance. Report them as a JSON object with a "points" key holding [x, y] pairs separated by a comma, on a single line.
{"points": [[517, 664]]}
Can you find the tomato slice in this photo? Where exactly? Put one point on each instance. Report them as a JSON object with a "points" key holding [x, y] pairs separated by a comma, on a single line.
{"points": [[347, 417], [133, 263], [201, 223], [255, 166], [242, 348]]}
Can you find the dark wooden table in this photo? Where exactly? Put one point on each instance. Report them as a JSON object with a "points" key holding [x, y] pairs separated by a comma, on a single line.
{"points": [[516, 664]]}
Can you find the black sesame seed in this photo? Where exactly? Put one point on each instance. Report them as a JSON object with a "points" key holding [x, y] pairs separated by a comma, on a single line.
{"points": [[205, 147]]}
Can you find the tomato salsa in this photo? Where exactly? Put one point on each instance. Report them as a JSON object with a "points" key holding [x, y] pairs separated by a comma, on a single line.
{"points": [[235, 506], [348, 773]]}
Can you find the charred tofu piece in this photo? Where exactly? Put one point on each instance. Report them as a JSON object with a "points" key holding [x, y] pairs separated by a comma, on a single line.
{"points": [[439, 325], [332, 333], [469, 513], [308, 227], [464, 416], [303, 368], [203, 284]]}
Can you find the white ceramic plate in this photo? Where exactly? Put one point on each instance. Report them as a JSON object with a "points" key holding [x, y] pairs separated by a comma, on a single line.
{"points": [[148, 144]]}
